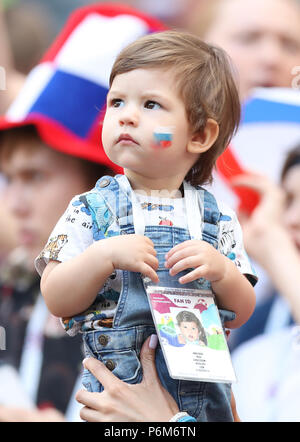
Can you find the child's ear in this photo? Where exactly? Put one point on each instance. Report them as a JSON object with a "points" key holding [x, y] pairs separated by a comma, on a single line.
{"points": [[202, 141]]}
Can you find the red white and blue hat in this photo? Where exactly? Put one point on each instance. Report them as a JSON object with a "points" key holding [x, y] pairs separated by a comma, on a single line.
{"points": [[64, 95]]}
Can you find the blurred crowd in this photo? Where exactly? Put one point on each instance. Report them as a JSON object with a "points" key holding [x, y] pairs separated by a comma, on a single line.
{"points": [[38, 179]]}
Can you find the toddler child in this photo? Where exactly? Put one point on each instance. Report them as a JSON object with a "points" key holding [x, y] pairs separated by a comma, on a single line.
{"points": [[172, 108]]}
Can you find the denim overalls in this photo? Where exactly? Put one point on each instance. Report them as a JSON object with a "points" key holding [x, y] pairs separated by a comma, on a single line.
{"points": [[119, 347]]}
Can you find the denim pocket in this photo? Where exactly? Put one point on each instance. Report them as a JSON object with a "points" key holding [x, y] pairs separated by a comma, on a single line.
{"points": [[124, 364]]}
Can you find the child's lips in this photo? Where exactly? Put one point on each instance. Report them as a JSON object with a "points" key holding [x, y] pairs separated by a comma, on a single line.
{"points": [[126, 139]]}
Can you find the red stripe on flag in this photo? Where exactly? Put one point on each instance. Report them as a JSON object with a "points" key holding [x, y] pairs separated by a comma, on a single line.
{"points": [[229, 167]]}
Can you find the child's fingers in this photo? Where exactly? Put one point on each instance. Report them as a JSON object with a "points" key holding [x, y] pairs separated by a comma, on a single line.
{"points": [[152, 261], [185, 263], [195, 274], [147, 270], [196, 244], [150, 249], [177, 249], [189, 251]]}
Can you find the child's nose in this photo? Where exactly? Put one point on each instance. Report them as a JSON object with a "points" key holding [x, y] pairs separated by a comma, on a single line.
{"points": [[129, 117]]}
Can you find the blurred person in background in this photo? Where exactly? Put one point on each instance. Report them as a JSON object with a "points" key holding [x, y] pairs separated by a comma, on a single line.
{"points": [[261, 37], [10, 83], [267, 366], [174, 13], [30, 31], [50, 150], [12, 79], [40, 180]]}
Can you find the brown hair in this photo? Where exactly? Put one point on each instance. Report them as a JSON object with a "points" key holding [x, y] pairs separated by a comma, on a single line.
{"points": [[204, 80], [31, 141], [292, 159]]}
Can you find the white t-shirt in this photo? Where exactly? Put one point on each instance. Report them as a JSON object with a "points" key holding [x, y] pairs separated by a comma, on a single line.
{"points": [[73, 234]]}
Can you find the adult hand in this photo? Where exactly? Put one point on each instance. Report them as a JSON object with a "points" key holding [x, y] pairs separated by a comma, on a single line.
{"points": [[264, 225], [121, 402], [269, 242], [14, 414]]}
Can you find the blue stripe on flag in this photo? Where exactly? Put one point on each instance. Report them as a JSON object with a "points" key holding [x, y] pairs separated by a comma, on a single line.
{"points": [[73, 101], [263, 111]]}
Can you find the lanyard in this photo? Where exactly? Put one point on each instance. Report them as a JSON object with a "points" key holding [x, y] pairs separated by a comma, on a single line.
{"points": [[192, 203]]}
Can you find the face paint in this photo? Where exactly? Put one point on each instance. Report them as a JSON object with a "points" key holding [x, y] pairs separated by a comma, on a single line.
{"points": [[163, 137]]}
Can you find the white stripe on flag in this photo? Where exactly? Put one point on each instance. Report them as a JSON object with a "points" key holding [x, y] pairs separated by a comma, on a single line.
{"points": [[278, 95], [93, 46], [35, 83]]}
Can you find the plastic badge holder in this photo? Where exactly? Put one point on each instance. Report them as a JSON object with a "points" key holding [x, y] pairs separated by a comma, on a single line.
{"points": [[191, 335]]}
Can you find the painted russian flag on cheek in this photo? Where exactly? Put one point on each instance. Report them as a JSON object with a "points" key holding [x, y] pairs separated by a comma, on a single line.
{"points": [[163, 138]]}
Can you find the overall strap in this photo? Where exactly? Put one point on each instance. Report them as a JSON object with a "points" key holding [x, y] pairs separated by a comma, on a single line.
{"points": [[117, 200], [211, 217], [107, 203]]}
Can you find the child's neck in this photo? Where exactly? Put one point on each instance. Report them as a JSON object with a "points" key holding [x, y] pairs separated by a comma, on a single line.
{"points": [[148, 185]]}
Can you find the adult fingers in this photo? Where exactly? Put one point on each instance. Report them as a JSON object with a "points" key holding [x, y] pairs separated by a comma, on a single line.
{"points": [[89, 399], [255, 181], [91, 415], [99, 370], [147, 358], [162, 404], [261, 184]]}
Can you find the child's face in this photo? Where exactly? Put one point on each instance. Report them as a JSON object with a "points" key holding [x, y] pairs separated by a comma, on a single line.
{"points": [[141, 103], [189, 330]]}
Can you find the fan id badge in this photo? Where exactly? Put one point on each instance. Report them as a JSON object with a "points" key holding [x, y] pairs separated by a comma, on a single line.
{"points": [[191, 335]]}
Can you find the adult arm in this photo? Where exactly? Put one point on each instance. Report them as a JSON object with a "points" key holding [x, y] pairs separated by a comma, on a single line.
{"points": [[269, 243]]}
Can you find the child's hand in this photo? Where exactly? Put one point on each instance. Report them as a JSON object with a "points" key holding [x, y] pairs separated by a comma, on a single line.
{"points": [[134, 253], [207, 262]]}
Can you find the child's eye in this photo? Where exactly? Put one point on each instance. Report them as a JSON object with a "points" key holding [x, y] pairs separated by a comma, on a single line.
{"points": [[116, 102], [150, 104]]}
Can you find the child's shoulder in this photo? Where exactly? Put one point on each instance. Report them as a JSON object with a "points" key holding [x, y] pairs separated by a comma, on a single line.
{"points": [[227, 213], [100, 184]]}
